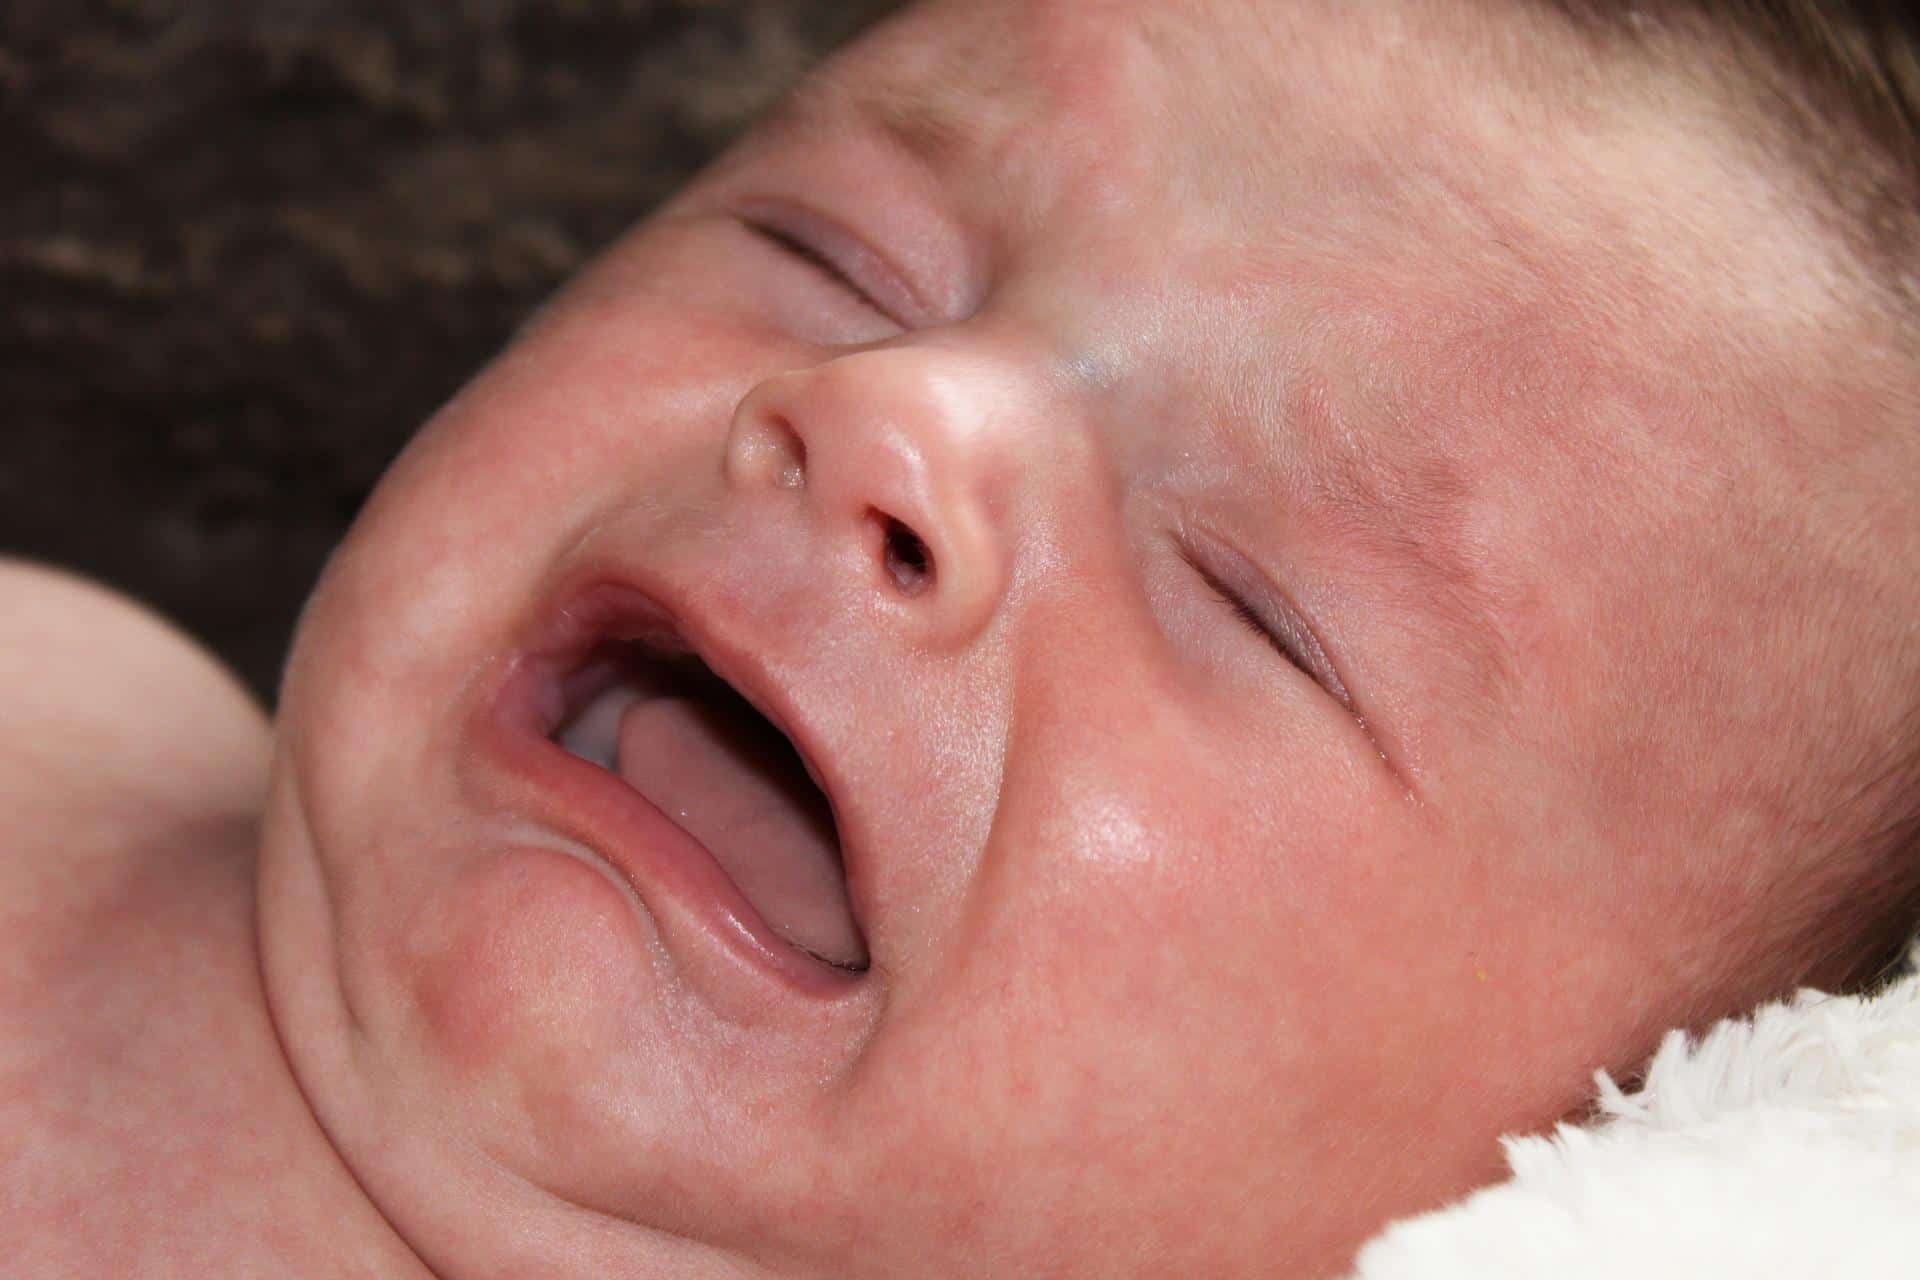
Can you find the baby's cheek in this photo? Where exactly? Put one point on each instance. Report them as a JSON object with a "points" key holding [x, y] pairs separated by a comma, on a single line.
{"points": [[513, 967]]}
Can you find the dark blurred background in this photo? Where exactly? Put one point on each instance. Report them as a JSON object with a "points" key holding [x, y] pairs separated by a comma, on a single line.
{"points": [[247, 246]]}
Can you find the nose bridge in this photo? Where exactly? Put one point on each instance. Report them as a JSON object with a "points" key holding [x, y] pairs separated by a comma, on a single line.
{"points": [[912, 428], [908, 458]]}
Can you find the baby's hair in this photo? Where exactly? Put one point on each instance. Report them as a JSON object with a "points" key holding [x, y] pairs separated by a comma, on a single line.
{"points": [[1830, 87]]}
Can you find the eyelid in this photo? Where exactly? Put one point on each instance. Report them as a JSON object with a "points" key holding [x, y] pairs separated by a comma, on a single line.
{"points": [[840, 252], [1230, 571]]}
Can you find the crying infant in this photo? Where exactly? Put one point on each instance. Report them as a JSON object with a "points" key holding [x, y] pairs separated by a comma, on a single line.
{"points": [[1131, 630]]}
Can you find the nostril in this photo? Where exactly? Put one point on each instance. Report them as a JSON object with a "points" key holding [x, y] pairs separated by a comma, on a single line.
{"points": [[791, 472], [785, 454], [767, 450], [907, 559]]}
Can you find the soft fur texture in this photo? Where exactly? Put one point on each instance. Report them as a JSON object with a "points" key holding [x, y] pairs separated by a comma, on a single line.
{"points": [[1785, 1144]]}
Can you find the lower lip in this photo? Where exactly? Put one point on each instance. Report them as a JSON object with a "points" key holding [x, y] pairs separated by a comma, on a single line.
{"points": [[664, 866]]}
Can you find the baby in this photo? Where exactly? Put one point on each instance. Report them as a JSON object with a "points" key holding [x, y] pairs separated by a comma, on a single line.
{"points": [[1131, 630]]}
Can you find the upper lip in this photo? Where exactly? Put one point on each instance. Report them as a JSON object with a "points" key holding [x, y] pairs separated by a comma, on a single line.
{"points": [[596, 607]]}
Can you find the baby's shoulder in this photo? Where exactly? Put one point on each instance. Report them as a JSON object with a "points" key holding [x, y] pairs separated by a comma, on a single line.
{"points": [[131, 773], [117, 734]]}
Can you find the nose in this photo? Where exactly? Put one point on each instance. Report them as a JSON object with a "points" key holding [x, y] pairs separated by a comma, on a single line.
{"points": [[903, 458]]}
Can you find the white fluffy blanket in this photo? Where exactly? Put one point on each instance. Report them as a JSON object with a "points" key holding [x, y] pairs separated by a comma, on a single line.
{"points": [[1783, 1144]]}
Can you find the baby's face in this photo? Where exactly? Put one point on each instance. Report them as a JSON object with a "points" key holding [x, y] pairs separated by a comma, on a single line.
{"points": [[1261, 552]]}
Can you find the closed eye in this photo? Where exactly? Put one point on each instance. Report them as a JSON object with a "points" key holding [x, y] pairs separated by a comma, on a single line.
{"points": [[795, 247], [1285, 634], [1243, 590], [1246, 613]]}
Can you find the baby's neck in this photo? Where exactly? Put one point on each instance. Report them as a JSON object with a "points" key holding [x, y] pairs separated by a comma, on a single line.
{"points": [[170, 1133]]}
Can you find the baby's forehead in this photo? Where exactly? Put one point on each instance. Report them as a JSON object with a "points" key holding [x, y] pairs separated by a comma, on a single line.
{"points": [[1160, 188], [1417, 135], [1233, 102]]}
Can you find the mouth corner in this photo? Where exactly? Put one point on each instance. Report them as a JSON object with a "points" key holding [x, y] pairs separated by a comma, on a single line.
{"points": [[682, 782]]}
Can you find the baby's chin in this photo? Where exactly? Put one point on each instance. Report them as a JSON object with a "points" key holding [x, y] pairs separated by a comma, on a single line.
{"points": [[489, 954], [517, 1032], [541, 997]]}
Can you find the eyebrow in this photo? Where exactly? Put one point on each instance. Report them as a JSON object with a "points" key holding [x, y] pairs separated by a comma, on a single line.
{"points": [[932, 121], [1415, 517]]}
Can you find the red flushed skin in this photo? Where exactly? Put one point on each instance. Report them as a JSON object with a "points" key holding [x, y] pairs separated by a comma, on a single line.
{"points": [[1181, 939]]}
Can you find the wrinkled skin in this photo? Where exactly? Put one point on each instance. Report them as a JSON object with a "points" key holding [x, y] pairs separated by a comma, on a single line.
{"points": [[1186, 958]]}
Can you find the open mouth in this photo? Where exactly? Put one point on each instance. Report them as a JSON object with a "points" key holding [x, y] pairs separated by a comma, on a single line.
{"points": [[658, 719]]}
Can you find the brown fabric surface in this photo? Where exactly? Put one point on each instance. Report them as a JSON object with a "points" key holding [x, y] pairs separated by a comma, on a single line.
{"points": [[245, 248]]}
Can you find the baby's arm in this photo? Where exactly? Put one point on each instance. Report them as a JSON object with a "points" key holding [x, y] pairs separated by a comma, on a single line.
{"points": [[118, 735]]}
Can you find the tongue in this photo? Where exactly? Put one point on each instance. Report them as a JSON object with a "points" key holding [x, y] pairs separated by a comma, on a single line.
{"points": [[732, 782]]}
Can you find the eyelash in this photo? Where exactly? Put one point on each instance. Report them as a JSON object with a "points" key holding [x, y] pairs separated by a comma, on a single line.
{"points": [[806, 253], [1246, 613]]}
